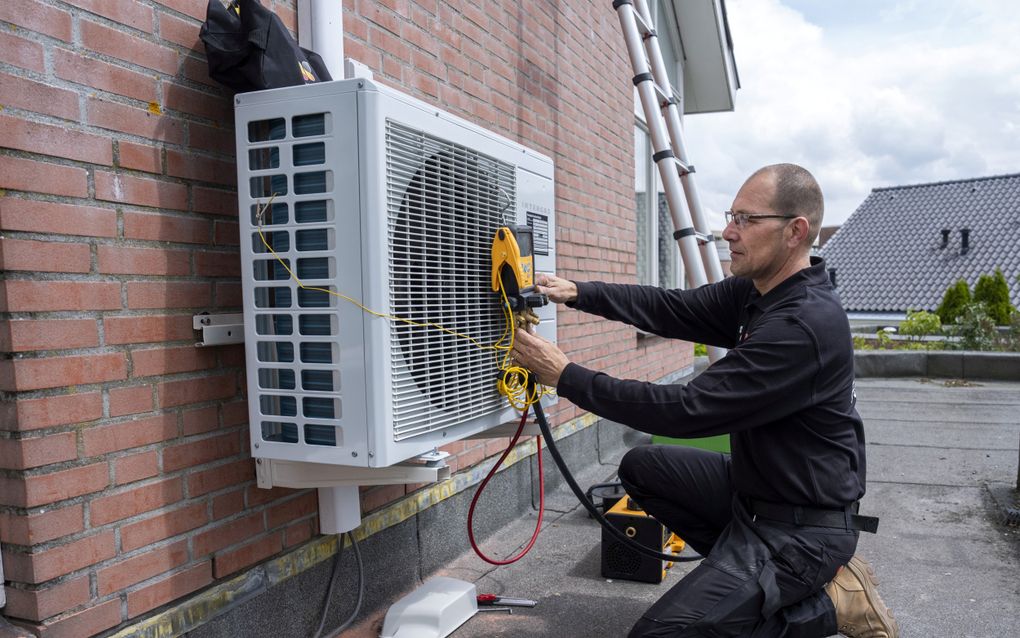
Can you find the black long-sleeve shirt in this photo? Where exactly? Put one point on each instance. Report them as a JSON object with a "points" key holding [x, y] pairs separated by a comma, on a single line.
{"points": [[784, 391]]}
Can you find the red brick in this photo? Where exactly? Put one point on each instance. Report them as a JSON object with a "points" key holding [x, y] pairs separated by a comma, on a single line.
{"points": [[158, 227], [217, 478], [168, 294], [129, 48], [152, 562], [237, 559], [128, 119], [197, 70], [216, 202], [54, 218], [304, 505], [135, 501], [256, 496], [103, 439], [200, 452], [40, 604], [215, 107], [217, 139], [180, 584], [87, 622], [216, 264], [33, 414], [120, 330], [118, 187], [36, 16], [39, 567], [124, 401], [57, 141], [174, 393], [22, 52], [33, 529], [171, 360], [34, 96], [42, 177], [127, 12], [164, 525], [227, 534], [193, 8], [299, 533], [376, 497], [228, 295], [141, 157], [52, 334], [228, 504], [201, 420], [44, 256], [56, 372], [142, 261], [179, 31], [198, 168], [136, 467], [105, 76], [41, 296], [22, 454], [43, 489], [226, 234]]}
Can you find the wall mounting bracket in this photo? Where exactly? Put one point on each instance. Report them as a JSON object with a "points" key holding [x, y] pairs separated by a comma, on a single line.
{"points": [[219, 330]]}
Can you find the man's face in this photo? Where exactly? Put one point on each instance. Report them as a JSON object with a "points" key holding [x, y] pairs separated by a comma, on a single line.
{"points": [[758, 250]]}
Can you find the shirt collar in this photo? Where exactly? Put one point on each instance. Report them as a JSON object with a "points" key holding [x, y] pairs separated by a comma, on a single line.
{"points": [[813, 275]]}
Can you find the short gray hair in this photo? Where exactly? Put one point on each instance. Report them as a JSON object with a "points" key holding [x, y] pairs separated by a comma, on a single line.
{"points": [[797, 193]]}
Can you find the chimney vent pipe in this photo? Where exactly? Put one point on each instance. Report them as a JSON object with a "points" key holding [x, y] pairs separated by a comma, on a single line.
{"points": [[964, 241]]}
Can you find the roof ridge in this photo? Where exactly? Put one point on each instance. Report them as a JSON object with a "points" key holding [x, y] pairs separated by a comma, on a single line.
{"points": [[950, 181]]}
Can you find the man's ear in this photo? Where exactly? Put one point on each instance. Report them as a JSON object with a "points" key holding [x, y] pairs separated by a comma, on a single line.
{"points": [[799, 229]]}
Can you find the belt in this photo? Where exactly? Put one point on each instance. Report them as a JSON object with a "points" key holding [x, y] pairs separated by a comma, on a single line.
{"points": [[846, 518]]}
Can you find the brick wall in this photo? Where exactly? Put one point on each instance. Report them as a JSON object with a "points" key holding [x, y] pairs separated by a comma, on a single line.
{"points": [[125, 479]]}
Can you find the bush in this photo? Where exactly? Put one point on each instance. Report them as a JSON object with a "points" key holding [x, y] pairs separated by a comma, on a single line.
{"points": [[976, 329], [920, 323], [700, 350], [956, 298], [993, 292]]}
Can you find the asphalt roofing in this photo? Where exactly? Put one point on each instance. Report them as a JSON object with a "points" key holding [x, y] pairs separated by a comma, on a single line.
{"points": [[889, 255]]}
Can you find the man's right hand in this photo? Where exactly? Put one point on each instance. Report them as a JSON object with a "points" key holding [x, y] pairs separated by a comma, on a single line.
{"points": [[557, 289]]}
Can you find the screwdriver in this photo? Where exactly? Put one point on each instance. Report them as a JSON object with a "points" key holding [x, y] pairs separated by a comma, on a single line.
{"points": [[493, 599]]}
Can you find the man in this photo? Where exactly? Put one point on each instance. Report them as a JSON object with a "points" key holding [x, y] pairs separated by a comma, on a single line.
{"points": [[776, 521]]}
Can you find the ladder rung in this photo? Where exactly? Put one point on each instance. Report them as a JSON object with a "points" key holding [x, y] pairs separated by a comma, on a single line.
{"points": [[662, 94], [683, 169], [645, 28]]}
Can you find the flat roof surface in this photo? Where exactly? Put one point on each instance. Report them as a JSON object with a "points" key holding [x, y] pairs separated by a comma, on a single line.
{"points": [[940, 454]]}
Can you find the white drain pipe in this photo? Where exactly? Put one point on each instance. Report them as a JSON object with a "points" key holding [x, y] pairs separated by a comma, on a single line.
{"points": [[321, 29]]}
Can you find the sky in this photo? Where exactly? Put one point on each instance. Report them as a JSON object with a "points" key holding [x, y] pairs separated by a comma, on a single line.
{"points": [[864, 94]]}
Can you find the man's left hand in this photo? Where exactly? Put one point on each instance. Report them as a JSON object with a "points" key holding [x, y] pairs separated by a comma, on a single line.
{"points": [[540, 356]]}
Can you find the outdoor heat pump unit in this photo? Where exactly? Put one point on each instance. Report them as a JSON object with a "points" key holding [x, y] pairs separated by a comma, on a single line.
{"points": [[365, 192]]}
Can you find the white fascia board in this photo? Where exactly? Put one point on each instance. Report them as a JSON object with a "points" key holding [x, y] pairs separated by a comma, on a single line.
{"points": [[710, 72]]}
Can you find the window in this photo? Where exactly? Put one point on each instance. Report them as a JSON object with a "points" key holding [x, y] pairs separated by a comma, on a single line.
{"points": [[658, 257]]}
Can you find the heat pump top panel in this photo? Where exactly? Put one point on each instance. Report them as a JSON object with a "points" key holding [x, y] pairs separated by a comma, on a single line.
{"points": [[351, 191]]}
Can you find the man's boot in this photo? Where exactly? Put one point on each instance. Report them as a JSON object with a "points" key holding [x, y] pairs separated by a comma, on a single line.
{"points": [[860, 612]]}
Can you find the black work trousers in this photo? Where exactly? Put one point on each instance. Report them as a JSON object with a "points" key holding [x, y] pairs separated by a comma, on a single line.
{"points": [[759, 578]]}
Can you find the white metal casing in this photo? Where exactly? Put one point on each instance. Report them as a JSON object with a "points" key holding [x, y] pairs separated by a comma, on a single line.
{"points": [[400, 242]]}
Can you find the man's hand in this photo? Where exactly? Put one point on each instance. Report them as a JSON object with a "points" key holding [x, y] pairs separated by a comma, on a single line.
{"points": [[540, 356], [557, 289]]}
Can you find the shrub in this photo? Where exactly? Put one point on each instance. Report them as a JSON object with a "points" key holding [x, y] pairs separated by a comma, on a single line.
{"points": [[957, 296], [700, 350], [920, 323], [993, 292], [976, 329]]}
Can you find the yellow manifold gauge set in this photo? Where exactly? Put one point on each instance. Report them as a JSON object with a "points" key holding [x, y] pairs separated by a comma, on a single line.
{"points": [[513, 268]]}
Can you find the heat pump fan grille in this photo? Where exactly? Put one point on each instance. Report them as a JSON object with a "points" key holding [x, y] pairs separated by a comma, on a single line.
{"points": [[444, 203]]}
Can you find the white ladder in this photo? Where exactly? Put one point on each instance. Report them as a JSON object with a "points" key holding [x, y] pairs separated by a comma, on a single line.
{"points": [[662, 114]]}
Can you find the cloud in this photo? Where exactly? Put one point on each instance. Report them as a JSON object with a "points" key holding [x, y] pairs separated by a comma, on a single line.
{"points": [[864, 95]]}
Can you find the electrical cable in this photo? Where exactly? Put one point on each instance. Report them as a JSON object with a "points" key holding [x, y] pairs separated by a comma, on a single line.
{"points": [[332, 585], [592, 510], [481, 488]]}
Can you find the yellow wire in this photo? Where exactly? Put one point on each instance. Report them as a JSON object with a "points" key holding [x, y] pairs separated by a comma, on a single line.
{"points": [[514, 381]]}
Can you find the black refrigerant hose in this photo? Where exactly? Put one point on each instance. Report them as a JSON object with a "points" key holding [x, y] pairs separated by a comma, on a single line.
{"points": [[579, 493]]}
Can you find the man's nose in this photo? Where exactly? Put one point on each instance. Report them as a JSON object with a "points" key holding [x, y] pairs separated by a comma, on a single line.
{"points": [[730, 232]]}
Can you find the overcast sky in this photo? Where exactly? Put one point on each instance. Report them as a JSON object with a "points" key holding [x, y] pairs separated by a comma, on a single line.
{"points": [[865, 93]]}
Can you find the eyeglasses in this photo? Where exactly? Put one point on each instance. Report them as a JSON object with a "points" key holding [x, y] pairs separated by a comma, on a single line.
{"points": [[741, 220]]}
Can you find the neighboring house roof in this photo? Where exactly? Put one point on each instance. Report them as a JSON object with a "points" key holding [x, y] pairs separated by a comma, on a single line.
{"points": [[888, 255]]}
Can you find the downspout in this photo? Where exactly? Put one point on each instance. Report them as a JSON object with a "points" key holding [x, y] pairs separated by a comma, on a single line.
{"points": [[321, 29]]}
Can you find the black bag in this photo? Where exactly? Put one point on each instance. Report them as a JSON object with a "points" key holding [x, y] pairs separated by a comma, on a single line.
{"points": [[249, 49]]}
